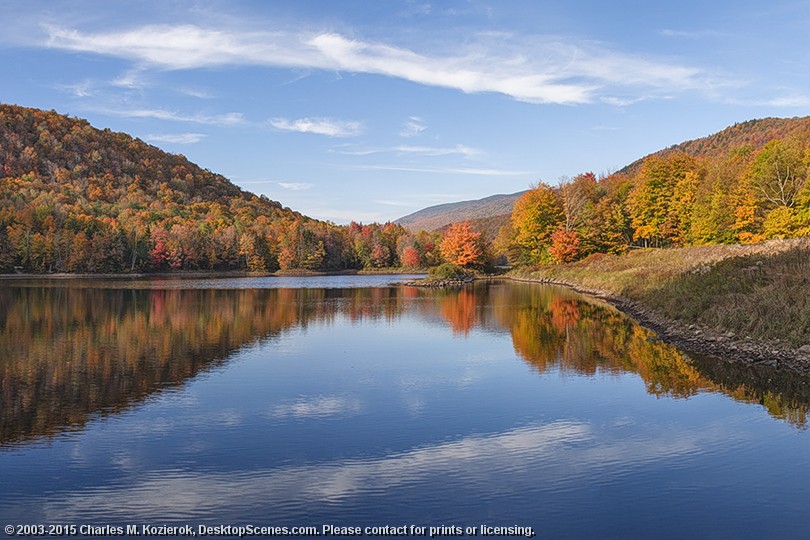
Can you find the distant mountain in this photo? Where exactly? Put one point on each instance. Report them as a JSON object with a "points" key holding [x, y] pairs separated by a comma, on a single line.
{"points": [[488, 214], [437, 217]]}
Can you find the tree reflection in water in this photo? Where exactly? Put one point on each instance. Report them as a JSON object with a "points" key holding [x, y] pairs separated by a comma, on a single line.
{"points": [[69, 354]]}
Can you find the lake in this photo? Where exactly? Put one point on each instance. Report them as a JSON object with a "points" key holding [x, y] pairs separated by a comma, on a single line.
{"points": [[354, 401]]}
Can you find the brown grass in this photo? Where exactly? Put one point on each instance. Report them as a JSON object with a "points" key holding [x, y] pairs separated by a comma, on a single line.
{"points": [[760, 291]]}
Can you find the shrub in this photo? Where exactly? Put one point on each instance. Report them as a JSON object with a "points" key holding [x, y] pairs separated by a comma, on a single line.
{"points": [[447, 271]]}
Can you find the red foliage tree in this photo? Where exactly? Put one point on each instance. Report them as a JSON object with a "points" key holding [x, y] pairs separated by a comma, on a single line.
{"points": [[564, 245], [410, 256]]}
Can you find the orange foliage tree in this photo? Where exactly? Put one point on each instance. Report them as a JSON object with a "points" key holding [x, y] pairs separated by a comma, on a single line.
{"points": [[461, 245], [565, 245], [410, 257]]}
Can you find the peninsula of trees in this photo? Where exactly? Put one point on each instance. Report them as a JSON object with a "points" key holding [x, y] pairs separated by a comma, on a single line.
{"points": [[77, 199]]}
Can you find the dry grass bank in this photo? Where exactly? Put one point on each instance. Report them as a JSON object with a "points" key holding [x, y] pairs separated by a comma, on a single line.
{"points": [[759, 292]]}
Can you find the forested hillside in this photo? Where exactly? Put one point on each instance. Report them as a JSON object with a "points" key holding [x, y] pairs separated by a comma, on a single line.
{"points": [[74, 198], [752, 134], [746, 184]]}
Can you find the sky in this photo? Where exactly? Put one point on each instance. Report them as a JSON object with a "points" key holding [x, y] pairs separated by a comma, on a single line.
{"points": [[371, 110]]}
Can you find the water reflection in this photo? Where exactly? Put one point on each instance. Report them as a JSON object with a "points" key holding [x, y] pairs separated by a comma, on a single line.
{"points": [[557, 328], [70, 353]]}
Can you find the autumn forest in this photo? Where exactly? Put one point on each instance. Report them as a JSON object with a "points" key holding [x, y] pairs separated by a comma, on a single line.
{"points": [[81, 200]]}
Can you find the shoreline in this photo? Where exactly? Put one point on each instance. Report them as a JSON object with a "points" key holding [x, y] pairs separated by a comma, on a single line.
{"points": [[692, 338], [194, 274]]}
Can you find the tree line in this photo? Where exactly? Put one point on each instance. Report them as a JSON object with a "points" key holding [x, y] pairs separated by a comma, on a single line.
{"points": [[742, 195], [77, 199]]}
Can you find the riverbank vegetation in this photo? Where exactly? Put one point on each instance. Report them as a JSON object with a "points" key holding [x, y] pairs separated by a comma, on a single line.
{"points": [[759, 292]]}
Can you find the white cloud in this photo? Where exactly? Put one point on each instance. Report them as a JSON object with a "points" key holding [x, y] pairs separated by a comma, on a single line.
{"points": [[789, 101], [132, 79], [80, 89], [295, 186], [177, 138], [319, 126], [793, 100], [446, 170], [413, 127], [195, 92], [668, 32], [396, 203], [620, 101], [458, 149], [358, 152], [603, 127], [228, 119], [343, 216], [535, 70]]}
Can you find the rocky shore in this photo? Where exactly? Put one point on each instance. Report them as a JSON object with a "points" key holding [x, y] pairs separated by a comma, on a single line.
{"points": [[441, 283]]}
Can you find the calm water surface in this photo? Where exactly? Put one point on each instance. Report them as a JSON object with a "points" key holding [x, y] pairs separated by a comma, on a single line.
{"points": [[349, 401]]}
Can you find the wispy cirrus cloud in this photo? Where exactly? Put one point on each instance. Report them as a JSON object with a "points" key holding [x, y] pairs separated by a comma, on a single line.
{"points": [[458, 149], [790, 101], [319, 126], [446, 170], [544, 69], [227, 119], [176, 138], [195, 92], [296, 186], [414, 125], [81, 89], [617, 101], [396, 203], [787, 101], [669, 32], [133, 79]]}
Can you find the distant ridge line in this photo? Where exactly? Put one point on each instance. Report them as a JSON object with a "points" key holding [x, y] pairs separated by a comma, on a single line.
{"points": [[436, 217]]}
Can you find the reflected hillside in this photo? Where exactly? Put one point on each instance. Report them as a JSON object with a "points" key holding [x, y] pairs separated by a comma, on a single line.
{"points": [[556, 328], [69, 353]]}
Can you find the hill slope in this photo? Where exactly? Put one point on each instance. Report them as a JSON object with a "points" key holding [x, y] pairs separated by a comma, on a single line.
{"points": [[436, 217], [753, 133], [79, 199], [70, 155]]}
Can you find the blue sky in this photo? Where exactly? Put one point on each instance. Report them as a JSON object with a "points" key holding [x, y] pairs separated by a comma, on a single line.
{"points": [[372, 110]]}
